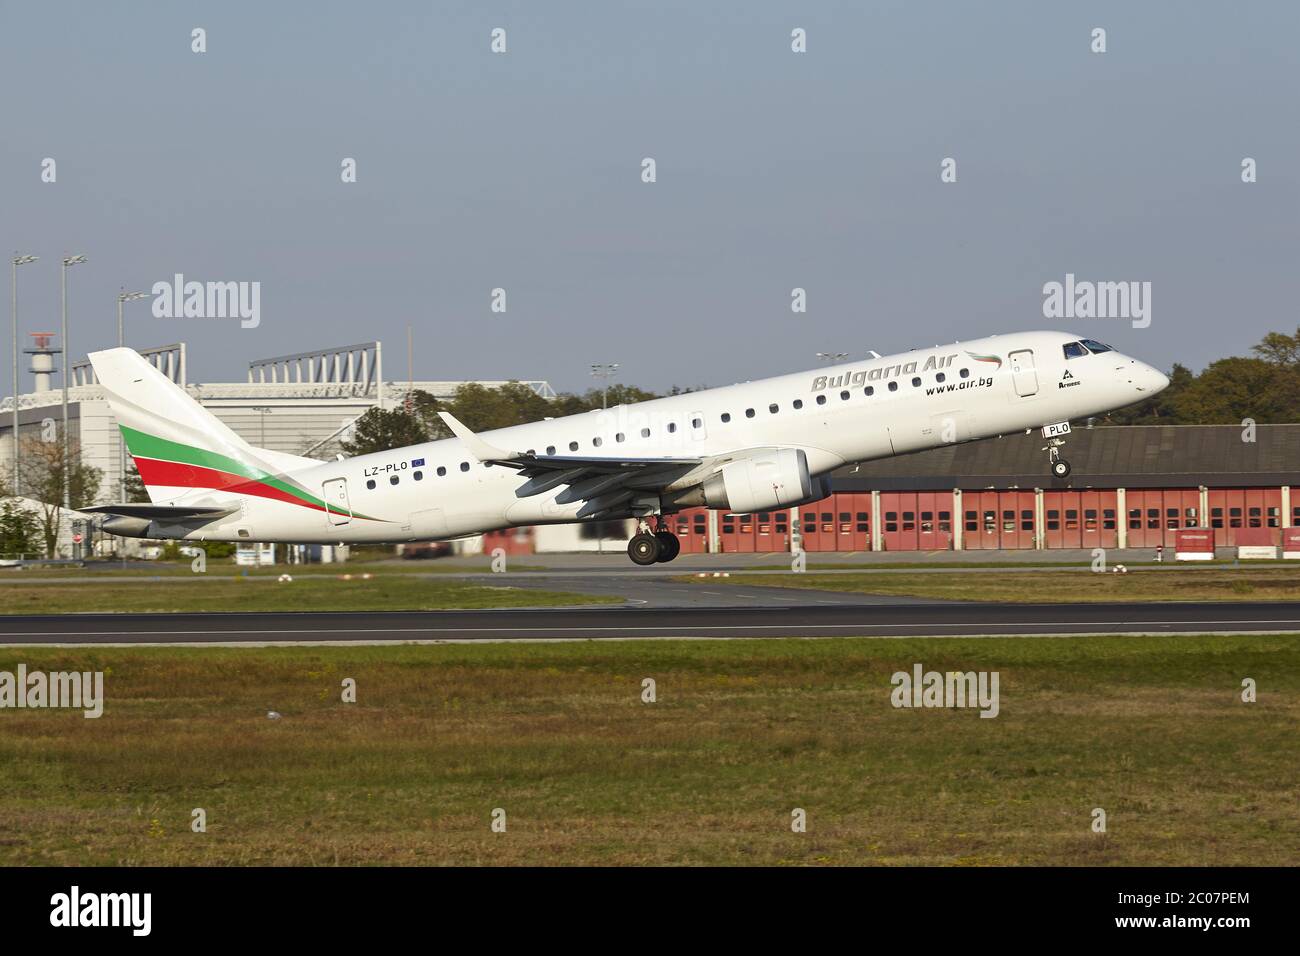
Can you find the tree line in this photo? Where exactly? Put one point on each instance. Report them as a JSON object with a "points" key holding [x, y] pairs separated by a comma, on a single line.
{"points": [[1263, 386]]}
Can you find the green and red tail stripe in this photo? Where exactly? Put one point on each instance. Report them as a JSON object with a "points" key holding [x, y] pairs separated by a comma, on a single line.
{"points": [[172, 464]]}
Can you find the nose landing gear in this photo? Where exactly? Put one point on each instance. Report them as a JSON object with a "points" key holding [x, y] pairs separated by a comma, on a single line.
{"points": [[1060, 467], [649, 547]]}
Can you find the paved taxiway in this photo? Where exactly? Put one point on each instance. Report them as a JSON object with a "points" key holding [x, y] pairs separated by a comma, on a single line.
{"points": [[803, 620]]}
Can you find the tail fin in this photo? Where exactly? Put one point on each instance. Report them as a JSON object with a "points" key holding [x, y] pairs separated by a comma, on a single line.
{"points": [[178, 445]]}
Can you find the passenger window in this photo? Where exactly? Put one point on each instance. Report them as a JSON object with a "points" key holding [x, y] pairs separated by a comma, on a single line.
{"points": [[371, 484], [821, 399], [893, 386], [672, 427], [464, 466], [1074, 350], [965, 373], [916, 382], [773, 409], [696, 423], [550, 449], [797, 403], [749, 413], [869, 391], [392, 480], [844, 396], [645, 433], [939, 376], [726, 417], [596, 441], [573, 446], [442, 471], [619, 437], [418, 476]]}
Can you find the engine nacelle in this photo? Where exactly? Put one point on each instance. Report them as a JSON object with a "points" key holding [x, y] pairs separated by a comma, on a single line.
{"points": [[772, 479], [821, 489]]}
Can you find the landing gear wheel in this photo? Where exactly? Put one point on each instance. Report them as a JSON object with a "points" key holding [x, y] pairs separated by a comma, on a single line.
{"points": [[643, 549], [1059, 466], [669, 546]]}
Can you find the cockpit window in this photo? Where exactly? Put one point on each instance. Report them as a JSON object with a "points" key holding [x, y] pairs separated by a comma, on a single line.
{"points": [[1074, 350], [1094, 346]]}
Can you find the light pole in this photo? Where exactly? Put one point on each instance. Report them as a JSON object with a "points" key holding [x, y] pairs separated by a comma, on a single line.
{"points": [[604, 372], [17, 261], [63, 301], [263, 411], [123, 296]]}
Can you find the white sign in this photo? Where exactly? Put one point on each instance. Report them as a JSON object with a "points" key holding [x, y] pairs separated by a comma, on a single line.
{"points": [[1245, 551], [1055, 431]]}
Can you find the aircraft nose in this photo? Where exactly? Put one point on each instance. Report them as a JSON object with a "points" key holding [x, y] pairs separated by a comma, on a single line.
{"points": [[1148, 379]]}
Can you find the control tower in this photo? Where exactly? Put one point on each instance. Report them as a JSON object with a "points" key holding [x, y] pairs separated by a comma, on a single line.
{"points": [[42, 353]]}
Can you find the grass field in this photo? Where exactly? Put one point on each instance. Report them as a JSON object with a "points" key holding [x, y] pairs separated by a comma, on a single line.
{"points": [[229, 592], [1151, 729], [1048, 587]]}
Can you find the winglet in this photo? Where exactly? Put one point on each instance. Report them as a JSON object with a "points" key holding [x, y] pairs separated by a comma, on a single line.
{"points": [[477, 446]]}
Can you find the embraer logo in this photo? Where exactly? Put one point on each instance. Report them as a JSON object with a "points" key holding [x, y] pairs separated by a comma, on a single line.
{"points": [[879, 372]]}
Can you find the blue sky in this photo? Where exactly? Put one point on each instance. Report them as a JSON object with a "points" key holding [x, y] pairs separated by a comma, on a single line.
{"points": [[775, 170]]}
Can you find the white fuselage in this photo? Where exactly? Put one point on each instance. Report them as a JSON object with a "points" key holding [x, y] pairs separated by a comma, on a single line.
{"points": [[920, 399]]}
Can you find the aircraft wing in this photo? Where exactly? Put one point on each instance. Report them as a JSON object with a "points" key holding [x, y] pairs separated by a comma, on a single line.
{"points": [[160, 512], [602, 483]]}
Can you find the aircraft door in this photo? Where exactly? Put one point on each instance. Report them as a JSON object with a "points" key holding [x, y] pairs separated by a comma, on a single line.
{"points": [[337, 507], [698, 428], [1023, 373]]}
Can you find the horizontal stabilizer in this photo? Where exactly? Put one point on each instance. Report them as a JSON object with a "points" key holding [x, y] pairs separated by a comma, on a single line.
{"points": [[160, 512]]}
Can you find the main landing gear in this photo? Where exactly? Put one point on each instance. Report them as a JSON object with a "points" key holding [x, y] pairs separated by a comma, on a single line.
{"points": [[1060, 467], [651, 547]]}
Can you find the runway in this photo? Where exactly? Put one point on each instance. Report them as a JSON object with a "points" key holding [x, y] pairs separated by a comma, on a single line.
{"points": [[610, 623]]}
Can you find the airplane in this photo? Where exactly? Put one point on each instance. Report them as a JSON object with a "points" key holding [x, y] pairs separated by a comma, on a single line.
{"points": [[755, 446]]}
